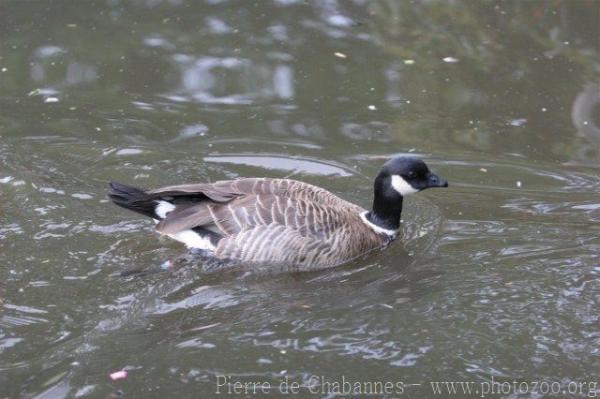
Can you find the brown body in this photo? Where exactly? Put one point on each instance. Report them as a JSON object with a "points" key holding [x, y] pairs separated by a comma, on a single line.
{"points": [[281, 221], [272, 220]]}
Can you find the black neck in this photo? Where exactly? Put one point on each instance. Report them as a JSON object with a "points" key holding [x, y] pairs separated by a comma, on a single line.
{"points": [[387, 207]]}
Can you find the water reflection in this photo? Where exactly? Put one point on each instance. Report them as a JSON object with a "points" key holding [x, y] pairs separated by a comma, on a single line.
{"points": [[153, 92], [211, 80], [585, 115]]}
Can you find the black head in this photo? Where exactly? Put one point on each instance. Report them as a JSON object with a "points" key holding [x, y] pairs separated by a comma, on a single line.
{"points": [[398, 178], [408, 175]]}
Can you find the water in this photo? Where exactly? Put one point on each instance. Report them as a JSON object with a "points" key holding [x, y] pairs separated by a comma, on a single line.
{"points": [[497, 280]]}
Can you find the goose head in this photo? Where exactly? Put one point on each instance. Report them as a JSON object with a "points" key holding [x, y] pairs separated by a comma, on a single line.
{"points": [[408, 175], [399, 177]]}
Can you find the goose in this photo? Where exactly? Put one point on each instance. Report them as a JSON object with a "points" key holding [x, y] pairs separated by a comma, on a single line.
{"points": [[280, 221]]}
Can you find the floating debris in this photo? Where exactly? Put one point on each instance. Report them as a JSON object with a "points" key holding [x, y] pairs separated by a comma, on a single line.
{"points": [[484, 170], [49, 100], [4, 69], [340, 55], [519, 184], [544, 109], [372, 107], [450, 60], [118, 375], [409, 62]]}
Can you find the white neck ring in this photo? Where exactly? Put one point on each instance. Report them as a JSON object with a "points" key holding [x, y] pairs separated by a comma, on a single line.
{"points": [[377, 229]]}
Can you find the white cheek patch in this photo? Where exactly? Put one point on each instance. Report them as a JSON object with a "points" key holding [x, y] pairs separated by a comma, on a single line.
{"points": [[402, 186]]}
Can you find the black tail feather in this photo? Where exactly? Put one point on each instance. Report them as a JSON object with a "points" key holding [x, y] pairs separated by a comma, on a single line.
{"points": [[132, 198]]}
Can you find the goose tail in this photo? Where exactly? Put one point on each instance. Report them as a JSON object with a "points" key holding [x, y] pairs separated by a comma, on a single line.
{"points": [[133, 199]]}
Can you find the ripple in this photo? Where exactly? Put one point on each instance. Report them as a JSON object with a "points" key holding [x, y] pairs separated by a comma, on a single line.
{"points": [[495, 276], [205, 296], [307, 166], [20, 321]]}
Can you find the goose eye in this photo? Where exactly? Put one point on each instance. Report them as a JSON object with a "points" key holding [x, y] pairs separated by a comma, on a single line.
{"points": [[411, 175]]}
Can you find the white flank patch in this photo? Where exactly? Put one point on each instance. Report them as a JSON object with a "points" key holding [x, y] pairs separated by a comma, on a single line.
{"points": [[163, 208], [377, 229], [402, 186], [193, 240], [189, 237]]}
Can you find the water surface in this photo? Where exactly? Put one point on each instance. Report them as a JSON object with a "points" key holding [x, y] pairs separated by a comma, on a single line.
{"points": [[498, 277]]}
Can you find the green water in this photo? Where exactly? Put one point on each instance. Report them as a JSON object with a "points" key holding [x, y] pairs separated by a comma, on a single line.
{"points": [[499, 277]]}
